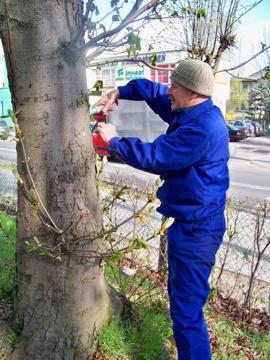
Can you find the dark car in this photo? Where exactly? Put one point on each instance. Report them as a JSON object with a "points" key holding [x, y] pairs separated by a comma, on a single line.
{"points": [[236, 134], [258, 128], [242, 125], [4, 130]]}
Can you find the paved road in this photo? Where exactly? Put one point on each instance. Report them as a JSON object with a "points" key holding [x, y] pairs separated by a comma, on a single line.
{"points": [[8, 151], [249, 168]]}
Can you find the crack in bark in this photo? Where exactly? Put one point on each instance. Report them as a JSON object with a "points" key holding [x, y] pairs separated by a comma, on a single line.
{"points": [[46, 330], [19, 22]]}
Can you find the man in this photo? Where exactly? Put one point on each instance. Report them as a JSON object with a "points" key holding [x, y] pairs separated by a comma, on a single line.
{"points": [[192, 159]]}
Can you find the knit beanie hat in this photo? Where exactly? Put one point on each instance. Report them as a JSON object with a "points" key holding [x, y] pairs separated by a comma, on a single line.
{"points": [[194, 75]]}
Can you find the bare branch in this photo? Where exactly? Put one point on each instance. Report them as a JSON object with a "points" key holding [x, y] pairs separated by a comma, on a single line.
{"points": [[132, 15], [246, 11], [135, 60], [245, 62], [108, 44], [235, 76]]}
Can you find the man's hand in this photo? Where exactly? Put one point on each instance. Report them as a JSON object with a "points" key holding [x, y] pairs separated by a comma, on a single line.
{"points": [[106, 131], [107, 101]]}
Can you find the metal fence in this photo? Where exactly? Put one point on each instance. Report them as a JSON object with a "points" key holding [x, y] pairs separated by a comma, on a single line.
{"points": [[242, 268]]}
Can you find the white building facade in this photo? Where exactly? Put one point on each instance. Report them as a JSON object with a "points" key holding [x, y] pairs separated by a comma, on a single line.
{"points": [[115, 72]]}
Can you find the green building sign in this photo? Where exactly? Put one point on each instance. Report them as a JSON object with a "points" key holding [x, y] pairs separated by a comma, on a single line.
{"points": [[126, 74]]}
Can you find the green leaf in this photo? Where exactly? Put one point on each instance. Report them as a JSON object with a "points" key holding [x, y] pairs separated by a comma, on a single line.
{"points": [[200, 12], [98, 85], [115, 17], [117, 256], [114, 3], [134, 42], [153, 59], [91, 26], [139, 244], [186, 10], [174, 14], [267, 76]]}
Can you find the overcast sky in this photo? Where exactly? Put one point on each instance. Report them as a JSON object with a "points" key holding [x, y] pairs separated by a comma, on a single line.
{"points": [[254, 29]]}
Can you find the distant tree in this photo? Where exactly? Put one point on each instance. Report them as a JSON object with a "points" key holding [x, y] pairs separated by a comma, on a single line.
{"points": [[260, 100]]}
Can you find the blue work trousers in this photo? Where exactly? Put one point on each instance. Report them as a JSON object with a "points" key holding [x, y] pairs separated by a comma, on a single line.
{"points": [[191, 255]]}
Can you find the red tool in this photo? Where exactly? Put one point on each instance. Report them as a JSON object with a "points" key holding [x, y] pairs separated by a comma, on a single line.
{"points": [[100, 146]]}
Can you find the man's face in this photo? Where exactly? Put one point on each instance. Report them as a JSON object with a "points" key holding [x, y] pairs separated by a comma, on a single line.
{"points": [[180, 97]]}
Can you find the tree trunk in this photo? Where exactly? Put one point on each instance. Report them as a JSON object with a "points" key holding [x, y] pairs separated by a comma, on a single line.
{"points": [[61, 296]]}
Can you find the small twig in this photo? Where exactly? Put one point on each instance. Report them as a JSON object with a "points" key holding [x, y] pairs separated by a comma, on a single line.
{"points": [[54, 227], [114, 228], [40, 202]]}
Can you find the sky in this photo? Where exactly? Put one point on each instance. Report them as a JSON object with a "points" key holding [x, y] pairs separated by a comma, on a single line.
{"points": [[254, 29], [250, 33]]}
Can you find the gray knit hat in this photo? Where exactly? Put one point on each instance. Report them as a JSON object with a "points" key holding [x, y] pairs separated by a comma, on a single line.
{"points": [[194, 75]]}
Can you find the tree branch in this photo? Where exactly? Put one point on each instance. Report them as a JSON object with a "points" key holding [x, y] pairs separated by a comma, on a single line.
{"points": [[245, 62], [128, 59], [246, 11], [132, 15], [235, 76], [108, 44]]}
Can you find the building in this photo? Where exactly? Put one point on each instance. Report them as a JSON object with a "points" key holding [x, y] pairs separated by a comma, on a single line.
{"points": [[115, 72], [5, 98], [241, 104]]}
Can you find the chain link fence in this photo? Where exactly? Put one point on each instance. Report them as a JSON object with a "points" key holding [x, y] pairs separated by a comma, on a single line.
{"points": [[8, 187], [242, 270]]}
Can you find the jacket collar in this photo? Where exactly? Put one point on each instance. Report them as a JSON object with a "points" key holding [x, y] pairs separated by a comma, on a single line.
{"points": [[185, 115]]}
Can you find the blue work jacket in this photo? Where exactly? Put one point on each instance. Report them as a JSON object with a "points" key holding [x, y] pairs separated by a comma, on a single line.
{"points": [[191, 157]]}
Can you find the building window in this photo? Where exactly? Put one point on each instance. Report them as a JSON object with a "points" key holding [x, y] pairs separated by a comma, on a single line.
{"points": [[108, 77], [2, 108], [162, 76]]}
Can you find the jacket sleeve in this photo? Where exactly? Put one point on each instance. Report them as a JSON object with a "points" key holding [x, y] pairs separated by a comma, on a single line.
{"points": [[167, 154], [154, 94]]}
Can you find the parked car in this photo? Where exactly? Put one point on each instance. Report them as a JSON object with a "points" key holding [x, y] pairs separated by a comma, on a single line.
{"points": [[250, 127], [12, 131], [4, 130], [242, 125], [258, 128], [236, 134]]}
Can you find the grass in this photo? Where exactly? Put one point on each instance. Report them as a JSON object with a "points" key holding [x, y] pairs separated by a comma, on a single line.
{"points": [[145, 332], [7, 165], [128, 285], [7, 271], [232, 342], [262, 344], [7, 339], [147, 336], [148, 333], [7, 254]]}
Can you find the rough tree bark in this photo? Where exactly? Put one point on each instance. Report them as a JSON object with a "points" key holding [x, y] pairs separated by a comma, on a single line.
{"points": [[60, 305]]}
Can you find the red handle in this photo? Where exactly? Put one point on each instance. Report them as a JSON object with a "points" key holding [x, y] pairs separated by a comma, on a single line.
{"points": [[100, 146]]}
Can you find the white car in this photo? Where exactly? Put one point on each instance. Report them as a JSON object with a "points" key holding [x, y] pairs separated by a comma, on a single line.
{"points": [[4, 130]]}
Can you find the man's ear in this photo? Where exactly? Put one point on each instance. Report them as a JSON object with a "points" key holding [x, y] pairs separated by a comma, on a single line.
{"points": [[194, 95]]}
